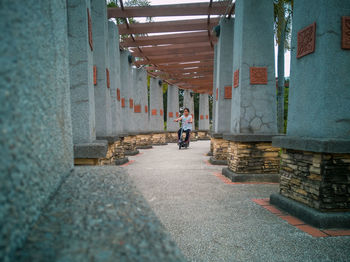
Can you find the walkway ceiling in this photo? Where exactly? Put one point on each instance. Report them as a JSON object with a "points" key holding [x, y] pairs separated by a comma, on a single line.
{"points": [[184, 55]]}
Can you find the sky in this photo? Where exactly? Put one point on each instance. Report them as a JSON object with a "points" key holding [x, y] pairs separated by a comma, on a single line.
{"points": [[172, 18]]}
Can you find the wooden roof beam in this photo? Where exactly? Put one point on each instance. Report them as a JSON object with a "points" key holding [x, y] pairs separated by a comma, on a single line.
{"points": [[167, 10], [183, 38], [169, 26], [172, 49], [175, 60]]}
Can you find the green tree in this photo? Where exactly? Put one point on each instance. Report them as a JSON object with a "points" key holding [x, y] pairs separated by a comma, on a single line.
{"points": [[283, 12]]}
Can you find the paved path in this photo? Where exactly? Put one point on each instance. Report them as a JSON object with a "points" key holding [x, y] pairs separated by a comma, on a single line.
{"points": [[214, 221]]}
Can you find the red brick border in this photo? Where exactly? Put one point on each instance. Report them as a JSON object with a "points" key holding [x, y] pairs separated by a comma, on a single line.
{"points": [[313, 231], [128, 163]]}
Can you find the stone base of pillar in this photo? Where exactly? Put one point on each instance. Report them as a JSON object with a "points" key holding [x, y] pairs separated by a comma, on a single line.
{"points": [[171, 137], [310, 215], [253, 158], [271, 178], [210, 153], [194, 136], [119, 154], [144, 141], [318, 180], [203, 135], [159, 139], [90, 153], [220, 153], [86, 161], [130, 145]]}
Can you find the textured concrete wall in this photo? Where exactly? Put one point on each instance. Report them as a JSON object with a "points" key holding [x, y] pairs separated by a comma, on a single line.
{"points": [[172, 107], [156, 104], [224, 75], [126, 92], [81, 72], [102, 93], [254, 106], [319, 101], [203, 112], [114, 74], [35, 123]]}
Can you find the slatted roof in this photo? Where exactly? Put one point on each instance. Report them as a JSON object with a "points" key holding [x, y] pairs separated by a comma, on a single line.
{"points": [[182, 51]]}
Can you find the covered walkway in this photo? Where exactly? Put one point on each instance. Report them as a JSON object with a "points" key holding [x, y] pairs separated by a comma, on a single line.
{"points": [[211, 220]]}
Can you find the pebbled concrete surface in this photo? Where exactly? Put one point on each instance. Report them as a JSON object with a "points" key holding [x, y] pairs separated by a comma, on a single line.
{"points": [[214, 221], [98, 215]]}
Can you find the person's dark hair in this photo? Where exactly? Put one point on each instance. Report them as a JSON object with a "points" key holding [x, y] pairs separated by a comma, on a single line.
{"points": [[186, 109]]}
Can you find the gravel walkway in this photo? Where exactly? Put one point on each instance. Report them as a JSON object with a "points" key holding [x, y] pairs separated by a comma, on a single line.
{"points": [[213, 221]]}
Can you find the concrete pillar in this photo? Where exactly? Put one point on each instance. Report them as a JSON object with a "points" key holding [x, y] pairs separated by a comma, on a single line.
{"points": [[222, 91], [215, 98], [224, 56], [35, 122], [86, 148], [144, 137], [172, 113], [203, 112], [101, 63], [156, 111], [126, 92], [253, 111], [114, 77], [156, 104], [203, 122], [127, 84], [316, 150], [116, 152], [173, 108]]}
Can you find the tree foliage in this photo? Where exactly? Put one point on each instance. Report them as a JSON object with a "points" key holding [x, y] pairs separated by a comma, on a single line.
{"points": [[283, 13]]}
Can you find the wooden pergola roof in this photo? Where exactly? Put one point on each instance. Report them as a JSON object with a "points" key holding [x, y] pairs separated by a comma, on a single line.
{"points": [[184, 56]]}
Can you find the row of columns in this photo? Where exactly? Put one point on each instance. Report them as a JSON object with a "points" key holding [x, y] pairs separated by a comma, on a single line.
{"points": [[113, 112], [314, 165]]}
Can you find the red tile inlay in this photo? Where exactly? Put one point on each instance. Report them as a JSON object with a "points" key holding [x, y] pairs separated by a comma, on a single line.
{"points": [[236, 78], [262, 202], [161, 112], [177, 114], [217, 93], [306, 40], [131, 103], [274, 210], [345, 43], [258, 76], [108, 80], [228, 92], [171, 114], [90, 29], [95, 75], [123, 102], [137, 109], [315, 232], [202, 117], [128, 163], [118, 94], [206, 117], [154, 112]]}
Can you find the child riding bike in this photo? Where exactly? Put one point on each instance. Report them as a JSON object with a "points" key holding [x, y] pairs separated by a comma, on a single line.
{"points": [[186, 120]]}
